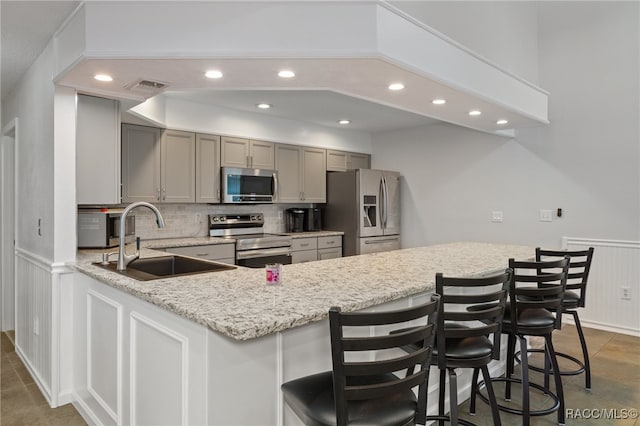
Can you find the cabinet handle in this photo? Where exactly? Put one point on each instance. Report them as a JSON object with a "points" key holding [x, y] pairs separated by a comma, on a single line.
{"points": [[304, 245], [202, 254], [158, 194], [330, 242], [164, 193]]}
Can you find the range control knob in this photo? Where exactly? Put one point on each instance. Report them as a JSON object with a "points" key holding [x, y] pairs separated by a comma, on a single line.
{"points": [[259, 217], [223, 219], [216, 218], [253, 218]]}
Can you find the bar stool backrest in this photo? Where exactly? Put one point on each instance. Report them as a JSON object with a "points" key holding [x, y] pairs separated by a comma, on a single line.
{"points": [[487, 294], [579, 267], [365, 379], [537, 285]]}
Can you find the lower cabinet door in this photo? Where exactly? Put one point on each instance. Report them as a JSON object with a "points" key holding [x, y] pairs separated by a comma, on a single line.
{"points": [[304, 256], [329, 253]]}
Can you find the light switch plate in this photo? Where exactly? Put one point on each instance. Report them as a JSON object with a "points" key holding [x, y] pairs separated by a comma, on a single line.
{"points": [[496, 216], [545, 215]]}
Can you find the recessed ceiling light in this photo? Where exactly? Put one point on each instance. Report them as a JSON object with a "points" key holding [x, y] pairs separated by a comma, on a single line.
{"points": [[396, 86], [286, 74], [103, 77], [264, 106], [439, 101], [475, 112], [213, 74], [344, 121], [502, 121]]}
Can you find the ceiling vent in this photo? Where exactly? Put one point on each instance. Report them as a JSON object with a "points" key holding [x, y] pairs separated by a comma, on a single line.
{"points": [[147, 86]]}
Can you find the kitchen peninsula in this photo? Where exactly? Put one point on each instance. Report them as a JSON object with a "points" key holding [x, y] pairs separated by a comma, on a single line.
{"points": [[222, 343]]}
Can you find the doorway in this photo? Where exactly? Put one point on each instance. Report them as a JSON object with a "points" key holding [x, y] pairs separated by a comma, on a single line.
{"points": [[7, 224]]}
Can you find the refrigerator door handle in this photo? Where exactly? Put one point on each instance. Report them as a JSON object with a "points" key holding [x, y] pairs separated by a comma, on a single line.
{"points": [[384, 202], [381, 203], [386, 240]]}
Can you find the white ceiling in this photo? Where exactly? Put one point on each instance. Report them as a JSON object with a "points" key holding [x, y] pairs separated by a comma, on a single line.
{"points": [[25, 28], [317, 106]]}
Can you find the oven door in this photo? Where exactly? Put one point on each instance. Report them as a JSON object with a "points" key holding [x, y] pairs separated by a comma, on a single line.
{"points": [[259, 258]]}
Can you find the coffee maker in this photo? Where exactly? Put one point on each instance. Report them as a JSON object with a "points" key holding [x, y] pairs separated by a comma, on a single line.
{"points": [[295, 220], [312, 219]]}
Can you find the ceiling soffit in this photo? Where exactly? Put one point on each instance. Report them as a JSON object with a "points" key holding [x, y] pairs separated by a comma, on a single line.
{"points": [[354, 48]]}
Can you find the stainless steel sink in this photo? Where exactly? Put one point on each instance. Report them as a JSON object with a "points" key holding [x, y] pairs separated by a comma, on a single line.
{"points": [[153, 268]]}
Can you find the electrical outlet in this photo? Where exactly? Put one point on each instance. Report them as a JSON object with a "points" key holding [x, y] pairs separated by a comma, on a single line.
{"points": [[279, 214], [496, 216], [626, 293], [546, 216]]}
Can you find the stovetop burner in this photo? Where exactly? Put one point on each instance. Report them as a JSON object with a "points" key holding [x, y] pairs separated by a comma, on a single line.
{"points": [[246, 230]]}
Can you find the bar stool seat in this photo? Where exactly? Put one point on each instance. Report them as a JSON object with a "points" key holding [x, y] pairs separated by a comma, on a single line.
{"points": [[372, 379], [311, 398], [534, 310], [574, 298]]}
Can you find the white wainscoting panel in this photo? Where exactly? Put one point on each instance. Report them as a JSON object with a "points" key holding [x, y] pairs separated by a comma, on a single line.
{"points": [[33, 317], [104, 353], [158, 374], [616, 264]]}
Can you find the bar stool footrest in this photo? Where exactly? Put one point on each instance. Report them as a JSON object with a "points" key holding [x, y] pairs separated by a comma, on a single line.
{"points": [[571, 358], [511, 410]]}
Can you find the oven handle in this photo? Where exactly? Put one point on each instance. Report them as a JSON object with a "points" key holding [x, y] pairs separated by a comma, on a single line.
{"points": [[252, 254]]}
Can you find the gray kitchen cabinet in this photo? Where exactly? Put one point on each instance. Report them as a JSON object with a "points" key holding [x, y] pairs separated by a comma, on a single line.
{"points": [[223, 253], [157, 165], [140, 163], [243, 153], [308, 249], [207, 168], [329, 247], [97, 151], [341, 161], [178, 171], [304, 250], [301, 174], [358, 161]]}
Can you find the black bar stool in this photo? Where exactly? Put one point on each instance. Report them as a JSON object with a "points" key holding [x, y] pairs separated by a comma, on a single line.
{"points": [[536, 292], [574, 298], [368, 392], [462, 336]]}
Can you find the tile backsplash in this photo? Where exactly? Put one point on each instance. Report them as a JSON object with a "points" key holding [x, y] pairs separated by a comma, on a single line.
{"points": [[191, 220]]}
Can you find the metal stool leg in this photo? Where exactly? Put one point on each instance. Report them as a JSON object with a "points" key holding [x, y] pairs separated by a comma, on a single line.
{"points": [[585, 352], [526, 414], [495, 413], [558, 378], [474, 391]]}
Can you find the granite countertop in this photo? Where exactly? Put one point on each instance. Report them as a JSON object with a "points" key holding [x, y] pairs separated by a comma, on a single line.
{"points": [[227, 301]]}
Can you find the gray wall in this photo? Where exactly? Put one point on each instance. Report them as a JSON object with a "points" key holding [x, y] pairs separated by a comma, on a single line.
{"points": [[587, 161]]}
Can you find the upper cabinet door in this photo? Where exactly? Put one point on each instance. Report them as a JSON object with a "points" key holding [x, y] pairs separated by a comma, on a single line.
{"points": [[336, 161], [140, 163], [288, 165], [358, 161], [234, 152], [314, 179], [178, 174], [207, 168], [97, 151], [262, 155]]}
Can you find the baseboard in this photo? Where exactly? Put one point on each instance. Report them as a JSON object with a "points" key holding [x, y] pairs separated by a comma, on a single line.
{"points": [[83, 409], [603, 326], [65, 398]]}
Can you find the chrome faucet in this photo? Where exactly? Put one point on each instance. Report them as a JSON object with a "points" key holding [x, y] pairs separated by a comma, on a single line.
{"points": [[123, 258]]}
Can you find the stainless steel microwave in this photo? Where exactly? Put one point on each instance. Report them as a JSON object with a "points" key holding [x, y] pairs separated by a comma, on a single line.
{"points": [[249, 186], [100, 227]]}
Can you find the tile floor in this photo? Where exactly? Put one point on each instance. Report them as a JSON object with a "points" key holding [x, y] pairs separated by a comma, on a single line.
{"points": [[615, 385]]}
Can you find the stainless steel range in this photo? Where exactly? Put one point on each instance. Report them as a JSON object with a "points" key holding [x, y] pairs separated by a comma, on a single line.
{"points": [[254, 248]]}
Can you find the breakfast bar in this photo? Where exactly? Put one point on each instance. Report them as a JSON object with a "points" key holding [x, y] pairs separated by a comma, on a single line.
{"points": [[214, 348]]}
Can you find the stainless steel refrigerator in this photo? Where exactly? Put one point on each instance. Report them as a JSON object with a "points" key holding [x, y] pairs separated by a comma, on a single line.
{"points": [[365, 205]]}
